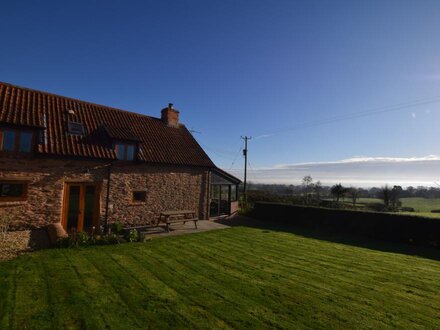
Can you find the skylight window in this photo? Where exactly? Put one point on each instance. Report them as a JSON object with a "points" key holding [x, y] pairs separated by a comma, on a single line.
{"points": [[76, 128]]}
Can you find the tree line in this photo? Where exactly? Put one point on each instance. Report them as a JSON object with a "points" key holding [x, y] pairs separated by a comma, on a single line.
{"points": [[309, 186]]}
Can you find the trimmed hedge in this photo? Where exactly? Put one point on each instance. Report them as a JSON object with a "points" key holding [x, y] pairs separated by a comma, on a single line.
{"points": [[385, 226]]}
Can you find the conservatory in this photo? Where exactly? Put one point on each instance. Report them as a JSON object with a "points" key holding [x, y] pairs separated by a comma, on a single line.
{"points": [[224, 194]]}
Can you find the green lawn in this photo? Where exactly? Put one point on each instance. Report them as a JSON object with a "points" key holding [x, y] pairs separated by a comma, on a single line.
{"points": [[233, 278]]}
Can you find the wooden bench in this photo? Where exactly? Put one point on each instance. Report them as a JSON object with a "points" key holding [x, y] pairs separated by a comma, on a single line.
{"points": [[170, 217]]}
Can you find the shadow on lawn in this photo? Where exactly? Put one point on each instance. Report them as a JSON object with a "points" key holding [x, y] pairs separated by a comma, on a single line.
{"points": [[336, 237]]}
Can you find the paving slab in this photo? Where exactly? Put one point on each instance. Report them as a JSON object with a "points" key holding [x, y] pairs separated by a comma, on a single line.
{"points": [[183, 229]]}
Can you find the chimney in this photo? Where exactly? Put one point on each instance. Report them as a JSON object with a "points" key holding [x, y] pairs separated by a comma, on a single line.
{"points": [[170, 116]]}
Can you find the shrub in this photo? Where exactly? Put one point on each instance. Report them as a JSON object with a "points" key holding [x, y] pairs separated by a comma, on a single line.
{"points": [[81, 239], [77, 239], [64, 242], [117, 228], [133, 236], [109, 239]]}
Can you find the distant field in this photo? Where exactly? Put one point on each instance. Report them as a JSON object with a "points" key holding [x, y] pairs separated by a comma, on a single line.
{"points": [[366, 200], [251, 278], [422, 206], [418, 203]]}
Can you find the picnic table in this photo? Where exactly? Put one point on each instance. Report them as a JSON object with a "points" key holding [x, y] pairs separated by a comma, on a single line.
{"points": [[184, 216]]}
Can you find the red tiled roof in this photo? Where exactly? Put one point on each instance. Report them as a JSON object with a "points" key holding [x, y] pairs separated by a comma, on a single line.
{"points": [[159, 143], [120, 133]]}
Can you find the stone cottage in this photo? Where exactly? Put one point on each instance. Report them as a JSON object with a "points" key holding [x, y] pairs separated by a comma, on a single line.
{"points": [[68, 161]]}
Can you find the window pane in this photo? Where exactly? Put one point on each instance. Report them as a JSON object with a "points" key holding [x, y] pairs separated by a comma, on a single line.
{"points": [[9, 140], [73, 208], [120, 149], [139, 196], [130, 152], [75, 128], [11, 189], [214, 208], [224, 192], [215, 191], [89, 207], [25, 142], [233, 193]]}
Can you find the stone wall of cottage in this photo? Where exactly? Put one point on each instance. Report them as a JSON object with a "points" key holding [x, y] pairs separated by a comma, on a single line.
{"points": [[167, 188]]}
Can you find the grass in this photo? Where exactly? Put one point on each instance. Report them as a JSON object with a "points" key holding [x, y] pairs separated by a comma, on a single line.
{"points": [[234, 278], [422, 214], [422, 206], [366, 200]]}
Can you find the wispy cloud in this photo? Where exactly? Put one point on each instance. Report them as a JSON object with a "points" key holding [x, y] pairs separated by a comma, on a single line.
{"points": [[358, 171], [431, 77], [364, 159], [262, 136], [413, 114]]}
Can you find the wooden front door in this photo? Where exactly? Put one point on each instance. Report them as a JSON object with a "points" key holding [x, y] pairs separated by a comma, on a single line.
{"points": [[81, 206]]}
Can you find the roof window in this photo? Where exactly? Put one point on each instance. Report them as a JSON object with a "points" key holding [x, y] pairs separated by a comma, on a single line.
{"points": [[125, 151], [75, 128], [14, 140]]}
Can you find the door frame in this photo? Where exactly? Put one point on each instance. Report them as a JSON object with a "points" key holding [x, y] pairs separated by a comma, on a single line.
{"points": [[96, 205]]}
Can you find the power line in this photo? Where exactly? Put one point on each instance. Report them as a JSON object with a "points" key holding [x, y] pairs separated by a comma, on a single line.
{"points": [[251, 176], [235, 158], [221, 153], [354, 115], [192, 130]]}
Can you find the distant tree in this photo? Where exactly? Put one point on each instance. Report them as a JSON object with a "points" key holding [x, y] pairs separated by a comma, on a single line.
{"points": [[363, 192], [292, 190], [307, 183], [353, 193], [395, 194], [374, 192], [410, 191], [422, 191], [338, 191], [317, 188], [385, 195]]}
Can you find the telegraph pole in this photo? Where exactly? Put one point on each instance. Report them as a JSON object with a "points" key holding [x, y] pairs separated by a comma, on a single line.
{"points": [[245, 152]]}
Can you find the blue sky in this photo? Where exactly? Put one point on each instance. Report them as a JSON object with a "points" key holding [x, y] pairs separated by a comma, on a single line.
{"points": [[246, 68]]}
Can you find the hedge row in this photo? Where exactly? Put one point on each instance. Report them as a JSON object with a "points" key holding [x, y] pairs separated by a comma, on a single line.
{"points": [[386, 226]]}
